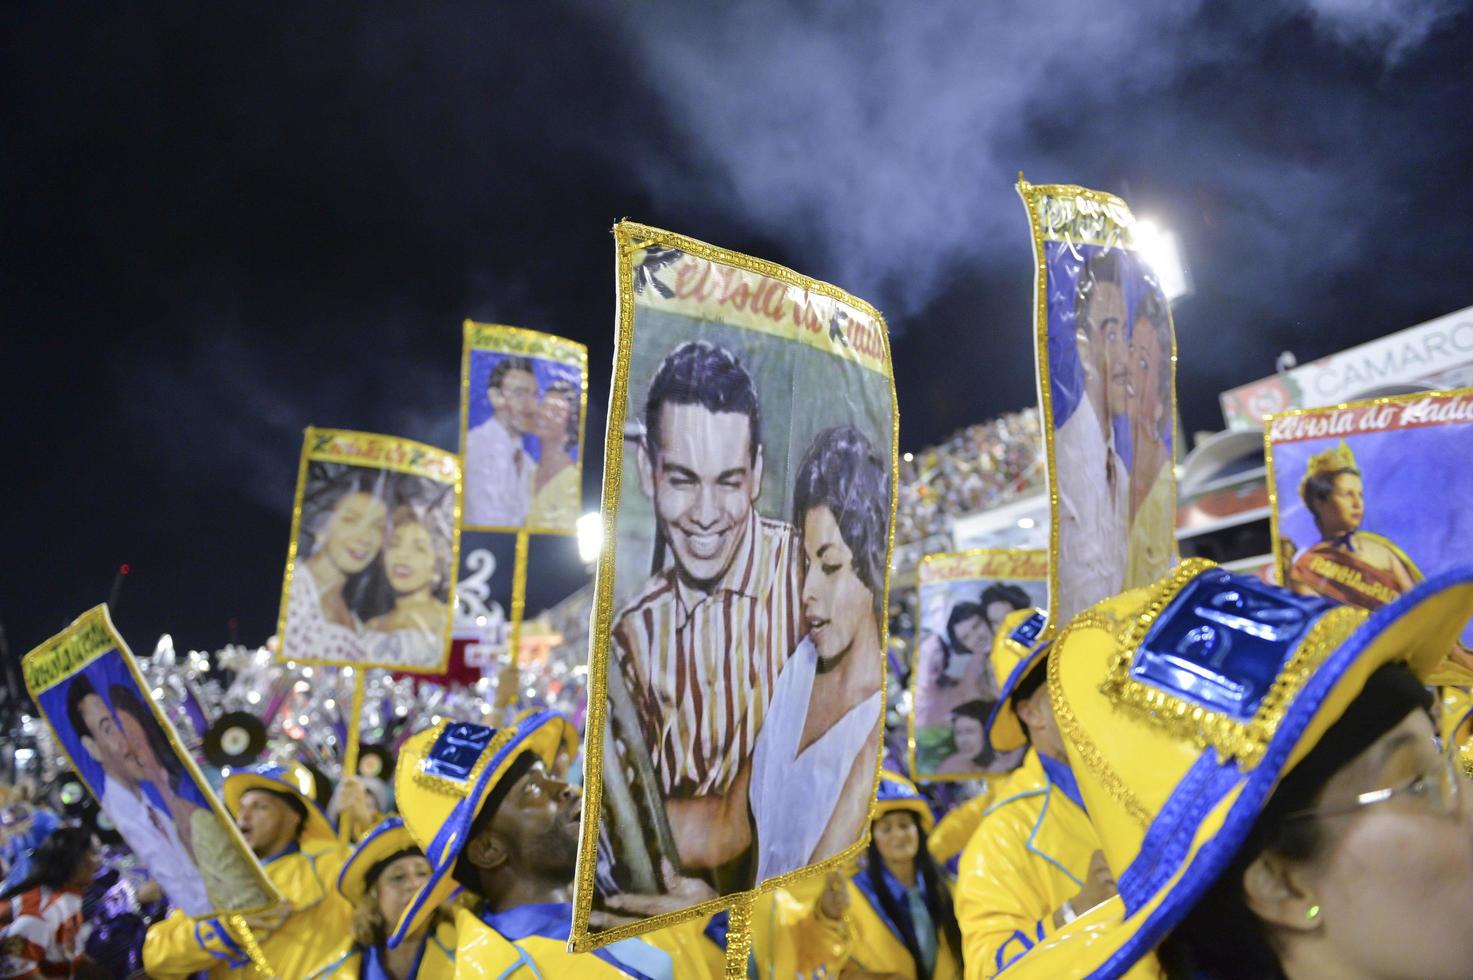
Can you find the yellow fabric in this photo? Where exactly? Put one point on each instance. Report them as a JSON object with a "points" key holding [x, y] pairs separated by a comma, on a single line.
{"points": [[317, 931], [791, 938], [556, 504], [1151, 547], [956, 828], [875, 947], [1030, 854], [482, 953], [437, 963]]}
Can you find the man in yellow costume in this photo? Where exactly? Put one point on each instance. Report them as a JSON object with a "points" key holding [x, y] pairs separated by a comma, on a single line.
{"points": [[274, 808], [1034, 860], [493, 821]]}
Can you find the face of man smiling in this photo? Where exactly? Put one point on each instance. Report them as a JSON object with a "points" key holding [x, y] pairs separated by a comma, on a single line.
{"points": [[704, 481]]}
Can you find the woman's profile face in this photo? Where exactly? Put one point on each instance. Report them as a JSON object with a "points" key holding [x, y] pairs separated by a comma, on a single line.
{"points": [[409, 560], [397, 885], [1395, 879], [1146, 363], [835, 601], [897, 838], [550, 424], [966, 732], [355, 533], [1345, 507]]}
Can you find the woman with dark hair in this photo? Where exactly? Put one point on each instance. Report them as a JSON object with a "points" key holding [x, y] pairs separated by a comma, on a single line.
{"points": [[818, 748], [344, 519], [1151, 412], [969, 737], [416, 564], [1312, 826], [898, 907], [41, 915], [555, 486]]}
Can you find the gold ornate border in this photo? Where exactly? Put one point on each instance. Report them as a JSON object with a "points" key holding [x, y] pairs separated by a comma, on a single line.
{"points": [[529, 343], [629, 236], [915, 651], [1031, 194], [97, 622], [282, 654], [1280, 569]]}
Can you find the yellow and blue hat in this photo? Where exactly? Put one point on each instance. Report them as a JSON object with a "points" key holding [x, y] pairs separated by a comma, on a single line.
{"points": [[898, 794], [1183, 705], [284, 780], [1015, 652], [444, 777], [380, 847], [569, 731]]}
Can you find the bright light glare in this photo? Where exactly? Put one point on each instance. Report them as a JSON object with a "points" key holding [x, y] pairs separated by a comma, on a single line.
{"points": [[1159, 248], [1025, 522], [590, 537]]}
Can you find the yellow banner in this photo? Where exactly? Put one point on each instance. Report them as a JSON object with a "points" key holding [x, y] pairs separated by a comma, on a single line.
{"points": [[381, 452], [983, 563], [69, 651], [692, 279], [526, 343]]}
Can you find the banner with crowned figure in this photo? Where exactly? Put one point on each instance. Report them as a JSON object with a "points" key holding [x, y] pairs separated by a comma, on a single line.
{"points": [[523, 398], [962, 600], [1367, 499], [103, 714], [370, 570], [737, 666], [1106, 355]]}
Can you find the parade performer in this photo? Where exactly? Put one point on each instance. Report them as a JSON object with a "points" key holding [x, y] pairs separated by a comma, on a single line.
{"points": [[1034, 860], [492, 820], [1348, 564], [41, 932], [383, 875], [279, 819], [1267, 783]]}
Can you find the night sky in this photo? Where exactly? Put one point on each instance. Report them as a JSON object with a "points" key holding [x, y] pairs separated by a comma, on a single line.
{"points": [[224, 223]]}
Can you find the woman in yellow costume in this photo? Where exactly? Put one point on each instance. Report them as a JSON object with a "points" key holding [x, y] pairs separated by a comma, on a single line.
{"points": [[379, 880], [1349, 565], [1270, 790]]}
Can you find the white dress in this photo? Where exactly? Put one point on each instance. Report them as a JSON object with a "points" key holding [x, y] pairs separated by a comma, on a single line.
{"points": [[793, 794], [309, 634]]}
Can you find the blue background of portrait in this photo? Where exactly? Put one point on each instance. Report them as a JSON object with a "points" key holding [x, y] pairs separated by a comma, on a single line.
{"points": [[1416, 494], [479, 410], [104, 672]]}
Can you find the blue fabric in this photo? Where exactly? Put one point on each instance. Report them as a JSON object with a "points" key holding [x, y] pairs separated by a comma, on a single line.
{"points": [[716, 928], [17, 850], [373, 967], [1062, 776], [290, 849], [553, 920], [898, 893]]}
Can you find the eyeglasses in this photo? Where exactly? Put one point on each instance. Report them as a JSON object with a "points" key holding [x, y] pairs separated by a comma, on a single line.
{"points": [[1441, 788]]}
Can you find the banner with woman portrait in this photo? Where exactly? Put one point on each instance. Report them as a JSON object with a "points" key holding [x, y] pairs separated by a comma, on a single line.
{"points": [[1368, 498], [370, 571], [1106, 354], [523, 398], [97, 703], [962, 598], [737, 669]]}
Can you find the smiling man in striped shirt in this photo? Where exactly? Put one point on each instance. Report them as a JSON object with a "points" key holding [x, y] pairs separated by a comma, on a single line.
{"points": [[703, 640]]}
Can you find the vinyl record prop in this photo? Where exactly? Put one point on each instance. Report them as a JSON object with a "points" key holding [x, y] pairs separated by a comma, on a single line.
{"points": [[235, 739]]}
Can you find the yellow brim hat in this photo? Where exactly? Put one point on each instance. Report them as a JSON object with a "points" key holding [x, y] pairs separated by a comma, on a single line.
{"points": [[291, 779], [898, 794], [444, 776], [1183, 705], [380, 844], [1015, 652]]}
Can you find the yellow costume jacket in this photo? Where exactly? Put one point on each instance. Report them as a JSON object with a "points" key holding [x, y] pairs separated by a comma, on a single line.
{"points": [[317, 931], [531, 941], [1030, 854], [958, 826], [436, 962]]}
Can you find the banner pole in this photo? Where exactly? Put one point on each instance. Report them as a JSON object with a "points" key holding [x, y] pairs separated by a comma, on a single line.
{"points": [[518, 609], [350, 751], [253, 948], [739, 938]]}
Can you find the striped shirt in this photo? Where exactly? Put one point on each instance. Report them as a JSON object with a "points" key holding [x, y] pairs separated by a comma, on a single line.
{"points": [[701, 666], [42, 936]]}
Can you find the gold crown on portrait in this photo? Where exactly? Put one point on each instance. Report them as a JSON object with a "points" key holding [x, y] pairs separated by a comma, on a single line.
{"points": [[1329, 461]]}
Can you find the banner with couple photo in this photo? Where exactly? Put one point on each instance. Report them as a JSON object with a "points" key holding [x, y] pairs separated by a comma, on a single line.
{"points": [[97, 703], [370, 571], [962, 598], [523, 401], [1369, 498], [737, 672], [1106, 354]]}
